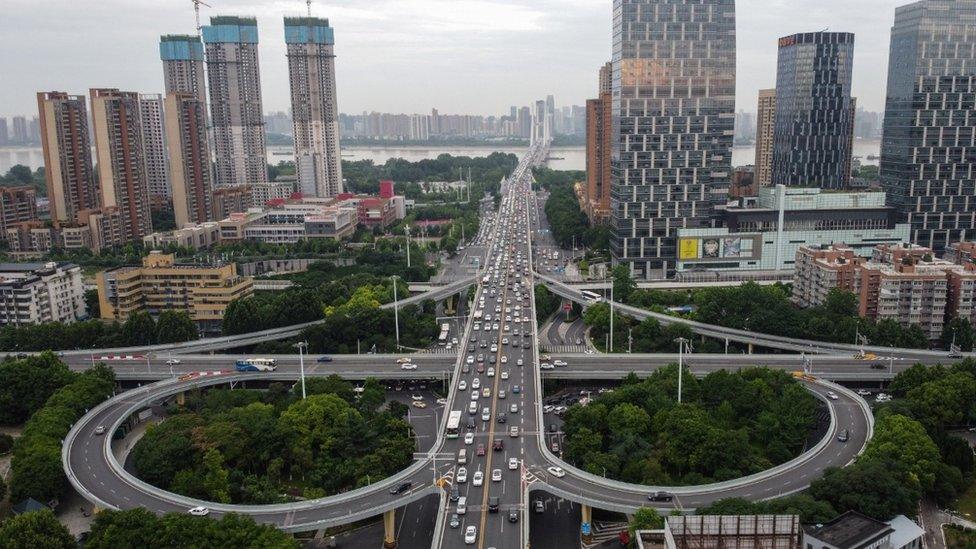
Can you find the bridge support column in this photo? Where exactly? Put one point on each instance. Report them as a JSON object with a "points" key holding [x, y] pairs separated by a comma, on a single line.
{"points": [[389, 529], [750, 348], [586, 523], [180, 399]]}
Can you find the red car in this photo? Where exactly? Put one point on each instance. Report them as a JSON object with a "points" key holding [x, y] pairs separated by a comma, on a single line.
{"points": [[481, 449], [481, 367]]}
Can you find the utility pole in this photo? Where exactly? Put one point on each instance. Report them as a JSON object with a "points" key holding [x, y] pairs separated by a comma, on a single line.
{"points": [[396, 312], [681, 345], [406, 230], [611, 314], [302, 345]]}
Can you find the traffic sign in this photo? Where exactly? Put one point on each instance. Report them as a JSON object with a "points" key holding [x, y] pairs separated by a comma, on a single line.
{"points": [[585, 528]]}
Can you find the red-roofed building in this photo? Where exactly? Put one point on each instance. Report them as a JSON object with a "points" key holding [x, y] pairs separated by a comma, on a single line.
{"points": [[376, 212], [386, 188]]}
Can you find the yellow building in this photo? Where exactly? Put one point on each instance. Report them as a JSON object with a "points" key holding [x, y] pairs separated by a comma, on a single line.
{"points": [[204, 291]]}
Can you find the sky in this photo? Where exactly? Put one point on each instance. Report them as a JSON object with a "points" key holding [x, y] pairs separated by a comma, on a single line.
{"points": [[459, 56]]}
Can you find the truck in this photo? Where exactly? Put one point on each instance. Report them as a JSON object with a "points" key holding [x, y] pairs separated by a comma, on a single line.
{"points": [[257, 365]]}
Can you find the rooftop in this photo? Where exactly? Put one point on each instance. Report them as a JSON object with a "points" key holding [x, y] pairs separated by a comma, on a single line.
{"points": [[851, 529]]}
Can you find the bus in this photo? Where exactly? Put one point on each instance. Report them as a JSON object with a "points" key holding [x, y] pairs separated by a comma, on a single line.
{"points": [[454, 424], [257, 365], [445, 331], [591, 297]]}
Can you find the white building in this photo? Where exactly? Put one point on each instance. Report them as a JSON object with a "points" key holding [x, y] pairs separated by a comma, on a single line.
{"points": [[34, 293]]}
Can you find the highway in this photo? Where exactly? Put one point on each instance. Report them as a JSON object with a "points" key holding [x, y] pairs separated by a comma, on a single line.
{"points": [[503, 293]]}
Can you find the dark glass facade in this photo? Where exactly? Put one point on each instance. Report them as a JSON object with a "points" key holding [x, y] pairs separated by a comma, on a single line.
{"points": [[928, 150], [673, 115], [814, 124]]}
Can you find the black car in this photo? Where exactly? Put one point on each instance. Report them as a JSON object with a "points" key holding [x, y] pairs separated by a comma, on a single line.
{"points": [[400, 488], [513, 515], [455, 493], [493, 504], [660, 496], [325, 359], [501, 418], [471, 424]]}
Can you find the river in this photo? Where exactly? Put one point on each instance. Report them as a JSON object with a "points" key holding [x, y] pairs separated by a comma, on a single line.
{"points": [[562, 158]]}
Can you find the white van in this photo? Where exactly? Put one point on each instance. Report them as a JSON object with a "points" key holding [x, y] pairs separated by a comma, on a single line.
{"points": [[462, 505], [463, 456], [473, 408]]}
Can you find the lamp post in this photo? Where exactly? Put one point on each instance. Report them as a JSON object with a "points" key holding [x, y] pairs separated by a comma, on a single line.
{"points": [[406, 231], [396, 310], [681, 345], [302, 345]]}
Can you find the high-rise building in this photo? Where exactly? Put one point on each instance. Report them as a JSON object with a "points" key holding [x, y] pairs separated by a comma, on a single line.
{"points": [[68, 167], [117, 125], [154, 149], [189, 158], [927, 150], [599, 133], [182, 57], [814, 128], [673, 116], [765, 124], [311, 73], [34, 130], [605, 84], [524, 122], [4, 132], [234, 82], [20, 130]]}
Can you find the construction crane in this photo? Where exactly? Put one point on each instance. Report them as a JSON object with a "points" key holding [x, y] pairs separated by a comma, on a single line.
{"points": [[196, 11]]}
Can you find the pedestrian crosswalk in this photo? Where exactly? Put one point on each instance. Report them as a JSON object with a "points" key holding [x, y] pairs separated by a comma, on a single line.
{"points": [[563, 349]]}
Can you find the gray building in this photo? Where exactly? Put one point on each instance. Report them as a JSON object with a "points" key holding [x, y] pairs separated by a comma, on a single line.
{"points": [[311, 74], [182, 57], [673, 117], [814, 126], [928, 150], [154, 149], [235, 100]]}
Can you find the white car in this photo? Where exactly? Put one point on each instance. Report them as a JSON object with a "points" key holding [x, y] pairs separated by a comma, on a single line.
{"points": [[519, 362], [462, 385], [504, 374], [475, 395], [470, 359], [512, 464], [832, 395], [172, 362], [469, 438], [496, 475], [470, 535], [479, 478], [504, 360], [416, 396], [408, 366], [559, 363], [462, 475], [556, 472], [199, 511], [475, 383], [491, 372], [546, 366]]}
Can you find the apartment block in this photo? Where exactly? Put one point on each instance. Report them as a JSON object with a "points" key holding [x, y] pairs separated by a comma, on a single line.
{"points": [[182, 57], [195, 236], [160, 284], [189, 158], [765, 128], [229, 200], [68, 167], [117, 123], [17, 205], [34, 293], [822, 268], [154, 150]]}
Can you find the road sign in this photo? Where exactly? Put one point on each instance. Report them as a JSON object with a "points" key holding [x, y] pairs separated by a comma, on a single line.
{"points": [[585, 528]]}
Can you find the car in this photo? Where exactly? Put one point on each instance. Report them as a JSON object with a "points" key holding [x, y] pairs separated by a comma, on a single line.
{"points": [[478, 479], [512, 464], [441, 401], [408, 366], [492, 359], [504, 360], [660, 496], [470, 359], [455, 493], [481, 450], [557, 472], [401, 488], [419, 404], [546, 366], [513, 431], [493, 504], [513, 515], [513, 408], [475, 384], [403, 360], [462, 385], [100, 430], [455, 521], [832, 395], [863, 392], [470, 535], [559, 363], [481, 368], [843, 436], [200, 511], [491, 372], [516, 389], [416, 396], [555, 447], [498, 445], [496, 475], [504, 374], [324, 359], [502, 418], [539, 506], [465, 369], [501, 393], [469, 438], [462, 475], [475, 395], [172, 362], [877, 366]]}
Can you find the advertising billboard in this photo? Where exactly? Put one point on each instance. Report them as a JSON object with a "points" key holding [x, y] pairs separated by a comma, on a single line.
{"points": [[688, 248]]}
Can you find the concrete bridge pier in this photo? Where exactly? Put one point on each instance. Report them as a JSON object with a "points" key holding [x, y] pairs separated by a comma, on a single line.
{"points": [[181, 399], [750, 348], [586, 523], [389, 529]]}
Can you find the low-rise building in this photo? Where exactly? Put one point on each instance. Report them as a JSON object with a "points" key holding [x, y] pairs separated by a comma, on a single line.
{"points": [[290, 222], [724, 531], [196, 236], [161, 284], [852, 530], [34, 293]]}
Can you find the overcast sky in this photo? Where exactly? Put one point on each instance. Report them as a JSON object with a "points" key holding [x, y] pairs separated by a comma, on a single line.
{"points": [[460, 56]]}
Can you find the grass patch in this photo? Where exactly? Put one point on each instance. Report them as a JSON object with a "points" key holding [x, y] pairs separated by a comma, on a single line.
{"points": [[966, 505], [959, 538]]}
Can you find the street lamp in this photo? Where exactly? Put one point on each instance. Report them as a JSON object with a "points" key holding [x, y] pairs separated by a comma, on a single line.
{"points": [[681, 345], [302, 346], [396, 309], [406, 231]]}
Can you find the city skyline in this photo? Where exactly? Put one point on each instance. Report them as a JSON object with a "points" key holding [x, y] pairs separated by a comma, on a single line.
{"points": [[564, 45]]}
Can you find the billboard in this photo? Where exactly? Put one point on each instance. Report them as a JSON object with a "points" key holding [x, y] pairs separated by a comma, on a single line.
{"points": [[710, 247], [731, 247], [688, 248]]}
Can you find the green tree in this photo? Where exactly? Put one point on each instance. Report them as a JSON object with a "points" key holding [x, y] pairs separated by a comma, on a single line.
{"points": [[961, 331], [37, 530], [874, 488], [623, 284], [242, 316], [130, 529], [175, 327], [645, 518], [25, 384], [139, 329]]}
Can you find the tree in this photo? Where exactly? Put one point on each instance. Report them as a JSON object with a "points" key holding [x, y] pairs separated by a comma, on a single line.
{"points": [[874, 488], [623, 284], [37, 530], [25, 384], [961, 331], [175, 327], [645, 518], [123, 529], [139, 329], [242, 316]]}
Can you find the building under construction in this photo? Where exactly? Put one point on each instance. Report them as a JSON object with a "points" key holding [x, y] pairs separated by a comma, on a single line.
{"points": [[725, 532]]}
